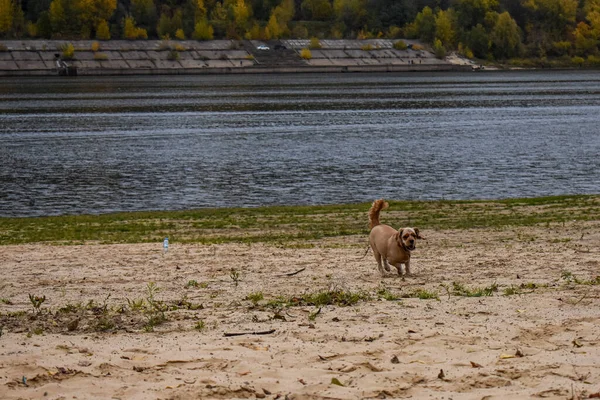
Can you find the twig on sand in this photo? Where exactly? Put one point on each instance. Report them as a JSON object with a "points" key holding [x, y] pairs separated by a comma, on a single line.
{"points": [[294, 273], [249, 333]]}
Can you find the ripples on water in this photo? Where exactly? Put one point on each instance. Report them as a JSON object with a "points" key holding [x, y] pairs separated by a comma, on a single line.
{"points": [[95, 145]]}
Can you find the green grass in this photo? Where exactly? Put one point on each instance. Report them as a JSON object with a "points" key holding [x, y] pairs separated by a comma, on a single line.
{"points": [[292, 224], [338, 297], [458, 289], [422, 294]]}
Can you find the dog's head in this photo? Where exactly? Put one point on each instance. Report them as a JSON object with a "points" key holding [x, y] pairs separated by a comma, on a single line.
{"points": [[407, 238]]}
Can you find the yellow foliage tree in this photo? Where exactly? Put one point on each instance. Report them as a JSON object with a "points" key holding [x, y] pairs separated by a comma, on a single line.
{"points": [[444, 30], [203, 31], [199, 10], [132, 32], [274, 28], [241, 13], [6, 16], [102, 30]]}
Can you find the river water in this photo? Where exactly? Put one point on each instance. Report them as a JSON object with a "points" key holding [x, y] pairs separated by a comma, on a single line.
{"points": [[104, 144]]}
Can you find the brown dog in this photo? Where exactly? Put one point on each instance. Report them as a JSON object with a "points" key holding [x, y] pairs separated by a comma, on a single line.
{"points": [[389, 245]]}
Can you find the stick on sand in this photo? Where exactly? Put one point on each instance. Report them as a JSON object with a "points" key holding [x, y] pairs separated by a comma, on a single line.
{"points": [[249, 333]]}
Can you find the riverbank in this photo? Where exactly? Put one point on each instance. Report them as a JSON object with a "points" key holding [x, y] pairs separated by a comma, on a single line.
{"points": [[502, 304], [121, 57]]}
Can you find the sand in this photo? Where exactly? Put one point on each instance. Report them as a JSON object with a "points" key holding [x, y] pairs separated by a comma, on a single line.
{"points": [[542, 342]]}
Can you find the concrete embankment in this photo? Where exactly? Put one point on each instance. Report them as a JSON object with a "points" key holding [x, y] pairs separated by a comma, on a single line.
{"points": [[120, 57]]}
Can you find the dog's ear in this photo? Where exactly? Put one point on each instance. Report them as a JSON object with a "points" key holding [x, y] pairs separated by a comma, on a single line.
{"points": [[419, 234], [400, 231]]}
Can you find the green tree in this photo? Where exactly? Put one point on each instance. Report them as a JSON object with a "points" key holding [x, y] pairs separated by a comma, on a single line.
{"points": [[317, 10], [144, 13], [553, 17], [478, 41], [506, 37], [424, 25], [469, 13], [351, 14]]}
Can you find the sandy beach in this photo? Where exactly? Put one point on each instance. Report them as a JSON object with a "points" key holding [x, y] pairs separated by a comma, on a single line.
{"points": [[128, 321]]}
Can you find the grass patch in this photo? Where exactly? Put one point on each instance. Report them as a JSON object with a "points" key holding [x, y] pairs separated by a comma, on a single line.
{"points": [[385, 294], [458, 289], [319, 299], [293, 224], [422, 294], [255, 297], [569, 277]]}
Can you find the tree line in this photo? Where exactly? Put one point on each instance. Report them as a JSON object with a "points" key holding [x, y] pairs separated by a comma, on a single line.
{"points": [[487, 29]]}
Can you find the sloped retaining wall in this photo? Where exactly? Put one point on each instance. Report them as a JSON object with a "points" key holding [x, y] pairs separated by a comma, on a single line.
{"points": [[120, 57]]}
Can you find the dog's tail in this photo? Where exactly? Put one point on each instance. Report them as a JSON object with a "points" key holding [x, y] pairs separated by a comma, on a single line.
{"points": [[374, 211]]}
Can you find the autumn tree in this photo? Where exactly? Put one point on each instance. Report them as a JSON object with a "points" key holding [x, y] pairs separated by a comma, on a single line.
{"points": [[203, 31], [444, 28], [103, 31], [6, 16], [279, 19], [585, 40], [131, 31]]}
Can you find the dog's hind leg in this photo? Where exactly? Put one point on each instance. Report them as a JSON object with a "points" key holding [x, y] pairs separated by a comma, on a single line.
{"points": [[379, 259]]}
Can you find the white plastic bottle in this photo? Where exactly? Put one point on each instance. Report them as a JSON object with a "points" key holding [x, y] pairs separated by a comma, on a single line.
{"points": [[166, 244]]}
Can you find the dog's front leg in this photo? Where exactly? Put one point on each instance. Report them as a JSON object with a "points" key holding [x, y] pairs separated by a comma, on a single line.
{"points": [[386, 265], [407, 265], [399, 268]]}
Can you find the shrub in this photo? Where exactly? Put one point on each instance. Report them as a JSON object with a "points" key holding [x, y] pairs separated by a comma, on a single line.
{"points": [[314, 43], [179, 34], [32, 29], [179, 47], [438, 49], [100, 57], [68, 51], [578, 61], [305, 54], [593, 60], [367, 47], [400, 45], [173, 55], [417, 47], [394, 32], [95, 46]]}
